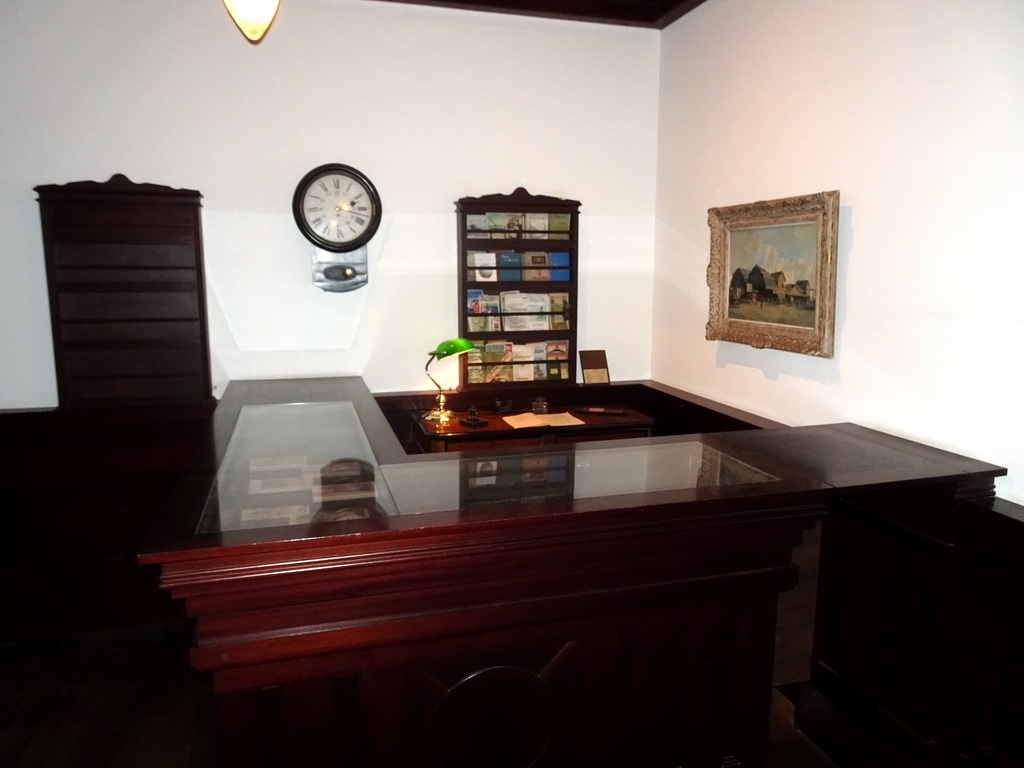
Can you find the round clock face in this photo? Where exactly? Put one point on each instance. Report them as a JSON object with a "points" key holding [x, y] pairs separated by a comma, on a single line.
{"points": [[336, 207]]}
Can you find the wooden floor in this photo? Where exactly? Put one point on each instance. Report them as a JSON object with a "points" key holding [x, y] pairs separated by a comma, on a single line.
{"points": [[789, 747], [123, 698], [127, 698]]}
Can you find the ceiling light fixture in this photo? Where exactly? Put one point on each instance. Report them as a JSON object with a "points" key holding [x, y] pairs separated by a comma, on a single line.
{"points": [[253, 17]]}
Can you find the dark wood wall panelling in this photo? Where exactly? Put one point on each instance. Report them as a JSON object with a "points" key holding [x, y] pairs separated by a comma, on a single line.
{"points": [[917, 658], [79, 492]]}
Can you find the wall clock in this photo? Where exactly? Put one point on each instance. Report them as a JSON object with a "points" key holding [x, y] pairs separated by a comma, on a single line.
{"points": [[336, 207]]}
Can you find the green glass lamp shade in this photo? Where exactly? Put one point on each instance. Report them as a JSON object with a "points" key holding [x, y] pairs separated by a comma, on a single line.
{"points": [[452, 347]]}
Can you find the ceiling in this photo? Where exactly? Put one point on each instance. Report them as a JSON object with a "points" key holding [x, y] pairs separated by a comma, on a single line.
{"points": [[655, 14]]}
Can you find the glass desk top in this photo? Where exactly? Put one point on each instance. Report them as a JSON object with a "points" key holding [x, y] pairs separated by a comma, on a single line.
{"points": [[306, 464]]}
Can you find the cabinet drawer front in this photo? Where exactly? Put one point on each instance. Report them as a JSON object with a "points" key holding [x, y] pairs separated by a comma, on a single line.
{"points": [[132, 362], [141, 279], [142, 389], [122, 213], [182, 254], [128, 306], [162, 331]]}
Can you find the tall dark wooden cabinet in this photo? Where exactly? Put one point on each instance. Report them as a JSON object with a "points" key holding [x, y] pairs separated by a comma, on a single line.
{"points": [[518, 277], [124, 263], [84, 481]]}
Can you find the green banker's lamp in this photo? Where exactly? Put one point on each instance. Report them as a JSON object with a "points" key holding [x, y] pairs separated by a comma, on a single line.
{"points": [[449, 348]]}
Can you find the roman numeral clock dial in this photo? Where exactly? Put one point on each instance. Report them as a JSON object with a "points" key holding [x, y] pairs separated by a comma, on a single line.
{"points": [[336, 208]]}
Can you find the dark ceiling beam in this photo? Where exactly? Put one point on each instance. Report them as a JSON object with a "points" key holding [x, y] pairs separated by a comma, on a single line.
{"points": [[656, 14], [675, 10]]}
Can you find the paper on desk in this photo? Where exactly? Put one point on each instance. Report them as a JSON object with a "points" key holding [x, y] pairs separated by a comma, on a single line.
{"points": [[521, 420]]}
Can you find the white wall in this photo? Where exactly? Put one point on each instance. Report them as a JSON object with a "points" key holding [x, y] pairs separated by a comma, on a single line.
{"points": [[914, 110], [432, 104]]}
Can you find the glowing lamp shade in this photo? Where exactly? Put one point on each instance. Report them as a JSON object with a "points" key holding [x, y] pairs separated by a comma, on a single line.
{"points": [[448, 348], [451, 347], [252, 16]]}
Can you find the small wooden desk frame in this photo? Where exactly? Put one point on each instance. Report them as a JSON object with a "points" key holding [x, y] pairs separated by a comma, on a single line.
{"points": [[621, 422]]}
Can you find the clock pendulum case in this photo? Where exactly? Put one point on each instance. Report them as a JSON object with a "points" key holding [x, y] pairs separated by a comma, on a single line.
{"points": [[338, 210]]}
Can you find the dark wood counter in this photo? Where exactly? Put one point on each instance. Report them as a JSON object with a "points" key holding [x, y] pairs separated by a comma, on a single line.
{"points": [[602, 604]]}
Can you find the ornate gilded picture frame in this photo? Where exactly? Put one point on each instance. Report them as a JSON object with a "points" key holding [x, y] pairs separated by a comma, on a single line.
{"points": [[773, 273]]}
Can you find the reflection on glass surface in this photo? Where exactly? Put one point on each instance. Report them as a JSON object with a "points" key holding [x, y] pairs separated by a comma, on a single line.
{"points": [[298, 464], [308, 464], [575, 473], [664, 467]]}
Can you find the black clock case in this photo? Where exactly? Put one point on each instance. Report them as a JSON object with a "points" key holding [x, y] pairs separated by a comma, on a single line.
{"points": [[310, 234]]}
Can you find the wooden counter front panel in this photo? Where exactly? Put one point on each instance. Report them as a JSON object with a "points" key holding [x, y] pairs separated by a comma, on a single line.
{"points": [[664, 687], [597, 645]]}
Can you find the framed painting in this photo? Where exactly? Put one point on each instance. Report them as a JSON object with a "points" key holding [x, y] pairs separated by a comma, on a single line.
{"points": [[772, 273]]}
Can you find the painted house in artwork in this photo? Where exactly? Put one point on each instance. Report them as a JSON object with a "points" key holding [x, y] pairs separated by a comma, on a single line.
{"points": [[800, 294], [739, 286], [757, 284]]}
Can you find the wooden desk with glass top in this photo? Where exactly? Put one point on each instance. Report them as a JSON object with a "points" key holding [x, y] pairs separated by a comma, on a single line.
{"points": [[599, 603]]}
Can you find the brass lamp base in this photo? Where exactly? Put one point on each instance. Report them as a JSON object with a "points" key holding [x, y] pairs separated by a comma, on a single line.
{"points": [[438, 415]]}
